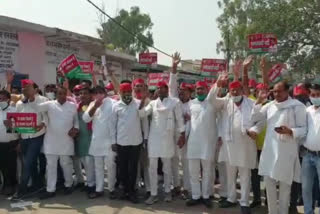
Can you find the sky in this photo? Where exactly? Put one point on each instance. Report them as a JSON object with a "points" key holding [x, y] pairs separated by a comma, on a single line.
{"points": [[186, 26]]}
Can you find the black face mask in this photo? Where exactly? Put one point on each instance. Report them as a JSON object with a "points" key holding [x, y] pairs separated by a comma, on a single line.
{"points": [[303, 99], [127, 99]]}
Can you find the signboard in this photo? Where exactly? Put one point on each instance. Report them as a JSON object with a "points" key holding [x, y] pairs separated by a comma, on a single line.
{"points": [[23, 122], [276, 71], [87, 66], [148, 58], [213, 65], [9, 47], [70, 66], [262, 42], [154, 78]]}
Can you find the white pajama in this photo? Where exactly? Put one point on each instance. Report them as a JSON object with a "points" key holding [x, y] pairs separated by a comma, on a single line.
{"points": [[52, 167], [223, 191], [77, 169], [175, 171], [198, 189], [284, 196], [100, 162], [153, 173], [245, 178], [88, 163]]}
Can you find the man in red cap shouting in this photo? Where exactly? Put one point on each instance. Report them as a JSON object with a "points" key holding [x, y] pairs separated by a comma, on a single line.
{"points": [[31, 143], [166, 118], [240, 148], [127, 135]]}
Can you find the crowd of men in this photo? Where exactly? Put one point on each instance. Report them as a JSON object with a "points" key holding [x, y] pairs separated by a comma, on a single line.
{"points": [[240, 129]]}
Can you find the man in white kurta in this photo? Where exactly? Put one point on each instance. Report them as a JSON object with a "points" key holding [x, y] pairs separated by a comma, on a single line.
{"points": [[184, 94], [100, 112], [166, 118], [239, 149], [202, 143], [286, 125], [58, 144]]}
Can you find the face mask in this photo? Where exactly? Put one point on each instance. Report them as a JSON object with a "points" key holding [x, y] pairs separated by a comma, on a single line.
{"points": [[315, 101], [110, 93], [126, 99], [236, 99], [201, 97], [3, 105], [224, 91], [50, 95]]}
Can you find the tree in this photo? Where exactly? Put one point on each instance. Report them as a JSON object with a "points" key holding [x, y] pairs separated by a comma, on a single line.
{"points": [[136, 22], [295, 22]]}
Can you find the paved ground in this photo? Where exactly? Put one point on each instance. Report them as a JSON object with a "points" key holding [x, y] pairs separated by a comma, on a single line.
{"points": [[78, 203]]}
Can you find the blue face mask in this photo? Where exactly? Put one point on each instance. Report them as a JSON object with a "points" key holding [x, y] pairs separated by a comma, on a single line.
{"points": [[315, 101]]}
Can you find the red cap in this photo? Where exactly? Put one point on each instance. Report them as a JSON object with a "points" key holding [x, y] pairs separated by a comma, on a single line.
{"points": [[77, 88], [125, 87], [162, 84], [26, 82], [300, 90], [252, 83], [138, 81], [235, 85], [109, 86], [261, 86], [201, 84], [186, 86]]}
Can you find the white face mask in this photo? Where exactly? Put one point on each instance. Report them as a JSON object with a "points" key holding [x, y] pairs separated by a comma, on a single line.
{"points": [[236, 99], [3, 105], [50, 95], [315, 101]]}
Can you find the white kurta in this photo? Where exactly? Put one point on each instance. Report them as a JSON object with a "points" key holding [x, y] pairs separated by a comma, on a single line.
{"points": [[101, 135], [203, 129], [279, 158], [61, 118], [166, 118], [238, 149]]}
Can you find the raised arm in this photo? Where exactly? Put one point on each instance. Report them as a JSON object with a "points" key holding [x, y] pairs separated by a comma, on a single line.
{"points": [[173, 81], [245, 76]]}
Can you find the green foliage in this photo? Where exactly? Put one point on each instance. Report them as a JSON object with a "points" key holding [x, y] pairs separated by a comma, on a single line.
{"points": [[136, 22], [295, 22]]}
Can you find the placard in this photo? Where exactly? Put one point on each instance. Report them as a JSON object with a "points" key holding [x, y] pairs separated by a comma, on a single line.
{"points": [[23, 122], [148, 58], [213, 65]]}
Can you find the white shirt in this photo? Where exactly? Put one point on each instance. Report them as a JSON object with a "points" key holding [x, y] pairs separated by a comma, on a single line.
{"points": [[313, 137], [4, 136], [101, 140], [126, 123], [166, 119], [41, 117], [62, 118]]}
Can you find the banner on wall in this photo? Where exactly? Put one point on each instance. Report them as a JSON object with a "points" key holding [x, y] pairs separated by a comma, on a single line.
{"points": [[9, 47]]}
